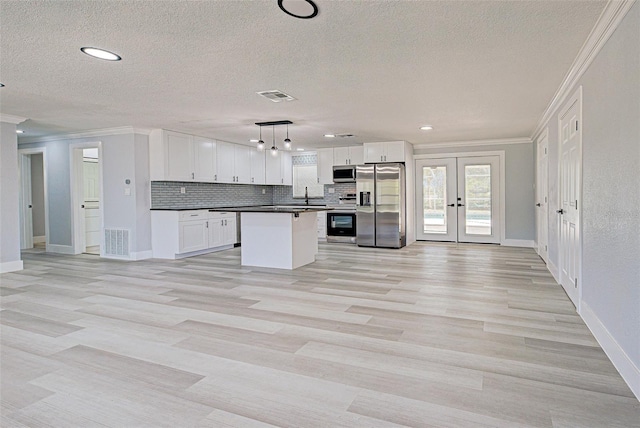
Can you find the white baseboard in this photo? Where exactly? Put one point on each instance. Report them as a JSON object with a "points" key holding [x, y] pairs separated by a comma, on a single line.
{"points": [[60, 249], [142, 255], [39, 239], [554, 271], [621, 361], [526, 243], [11, 266]]}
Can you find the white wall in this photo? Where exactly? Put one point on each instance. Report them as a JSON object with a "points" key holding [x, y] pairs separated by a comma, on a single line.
{"points": [[124, 156], [519, 191], [611, 196], [9, 185]]}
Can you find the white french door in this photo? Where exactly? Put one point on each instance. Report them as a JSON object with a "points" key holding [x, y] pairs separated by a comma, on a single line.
{"points": [[459, 199], [542, 198]]}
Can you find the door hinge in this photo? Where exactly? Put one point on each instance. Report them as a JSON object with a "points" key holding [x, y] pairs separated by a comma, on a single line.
{"points": [[576, 204], [545, 150], [575, 283], [576, 125], [545, 248]]}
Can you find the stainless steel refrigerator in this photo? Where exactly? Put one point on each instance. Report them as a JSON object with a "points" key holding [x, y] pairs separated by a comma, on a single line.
{"points": [[380, 205]]}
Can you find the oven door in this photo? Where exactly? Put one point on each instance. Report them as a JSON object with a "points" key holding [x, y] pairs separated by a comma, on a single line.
{"points": [[341, 224]]}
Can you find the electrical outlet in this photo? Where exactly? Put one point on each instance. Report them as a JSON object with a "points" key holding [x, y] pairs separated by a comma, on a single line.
{"points": [[264, 191], [332, 190], [183, 190]]}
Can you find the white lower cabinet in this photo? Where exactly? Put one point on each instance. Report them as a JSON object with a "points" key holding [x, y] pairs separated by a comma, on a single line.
{"points": [[322, 226], [177, 234]]}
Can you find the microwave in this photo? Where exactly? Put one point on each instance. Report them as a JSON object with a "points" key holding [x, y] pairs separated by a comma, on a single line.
{"points": [[344, 174]]}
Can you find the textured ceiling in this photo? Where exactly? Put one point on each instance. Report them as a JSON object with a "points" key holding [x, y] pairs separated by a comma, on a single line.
{"points": [[375, 69]]}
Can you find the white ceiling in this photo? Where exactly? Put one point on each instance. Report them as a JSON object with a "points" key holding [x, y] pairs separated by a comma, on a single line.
{"points": [[376, 69]]}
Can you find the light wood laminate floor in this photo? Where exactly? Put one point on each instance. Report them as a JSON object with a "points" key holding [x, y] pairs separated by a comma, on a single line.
{"points": [[432, 335]]}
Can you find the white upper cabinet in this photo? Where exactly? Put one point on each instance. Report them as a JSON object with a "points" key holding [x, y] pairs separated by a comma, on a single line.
{"points": [[171, 156], [204, 151], [225, 162], [278, 169], [325, 166], [242, 164], [392, 151], [257, 166], [353, 155]]}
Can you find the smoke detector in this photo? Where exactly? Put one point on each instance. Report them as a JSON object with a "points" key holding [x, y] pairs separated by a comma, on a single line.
{"points": [[276, 96]]}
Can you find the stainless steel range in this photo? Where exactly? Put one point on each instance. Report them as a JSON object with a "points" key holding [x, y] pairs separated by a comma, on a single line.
{"points": [[341, 221]]}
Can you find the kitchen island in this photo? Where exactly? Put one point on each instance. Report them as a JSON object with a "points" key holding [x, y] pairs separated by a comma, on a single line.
{"points": [[283, 237]]}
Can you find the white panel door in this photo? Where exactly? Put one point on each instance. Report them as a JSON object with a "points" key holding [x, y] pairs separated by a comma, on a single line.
{"points": [[341, 155], [273, 169], [479, 199], [205, 159], [193, 235], [374, 152], [570, 146], [542, 198], [436, 205], [394, 151], [215, 226], [356, 155], [287, 168]]}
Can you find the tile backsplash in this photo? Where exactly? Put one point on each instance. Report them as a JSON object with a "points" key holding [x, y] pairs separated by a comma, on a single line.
{"points": [[166, 194]]}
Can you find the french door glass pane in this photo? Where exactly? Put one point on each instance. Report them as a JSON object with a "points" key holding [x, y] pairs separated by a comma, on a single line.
{"points": [[478, 199], [434, 196]]}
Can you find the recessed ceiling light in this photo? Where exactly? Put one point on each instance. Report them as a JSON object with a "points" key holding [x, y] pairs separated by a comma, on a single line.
{"points": [[19, 131], [330, 135], [303, 9], [1, 85], [101, 54], [253, 140], [300, 150], [426, 128]]}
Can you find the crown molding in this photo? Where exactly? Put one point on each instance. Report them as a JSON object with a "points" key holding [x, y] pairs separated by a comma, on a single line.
{"points": [[87, 134], [609, 19], [471, 143], [8, 118]]}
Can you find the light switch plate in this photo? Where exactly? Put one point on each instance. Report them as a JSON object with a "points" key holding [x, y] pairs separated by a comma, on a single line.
{"points": [[127, 191], [183, 190], [332, 190]]}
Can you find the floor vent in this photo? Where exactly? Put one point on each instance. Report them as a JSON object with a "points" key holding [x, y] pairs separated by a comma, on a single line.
{"points": [[116, 242], [276, 96]]}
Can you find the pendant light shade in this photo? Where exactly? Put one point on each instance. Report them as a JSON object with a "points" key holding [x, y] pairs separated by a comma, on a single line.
{"points": [[260, 142], [287, 141], [274, 148]]}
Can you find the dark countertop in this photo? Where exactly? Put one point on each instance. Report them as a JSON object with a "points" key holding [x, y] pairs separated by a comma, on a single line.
{"points": [[256, 209], [278, 209]]}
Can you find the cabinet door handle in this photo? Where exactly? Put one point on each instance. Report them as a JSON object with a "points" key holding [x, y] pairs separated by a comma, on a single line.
{"points": [[215, 177], [193, 175], [225, 222], [207, 225]]}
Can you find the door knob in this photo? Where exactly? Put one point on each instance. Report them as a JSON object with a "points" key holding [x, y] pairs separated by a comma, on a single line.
{"points": [[30, 206], [461, 205], [82, 206], [538, 204], [560, 211], [451, 205]]}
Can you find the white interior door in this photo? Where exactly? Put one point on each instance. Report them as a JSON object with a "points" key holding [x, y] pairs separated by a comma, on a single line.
{"points": [[436, 205], [26, 204], [91, 190], [459, 199], [542, 198], [479, 199], [569, 215]]}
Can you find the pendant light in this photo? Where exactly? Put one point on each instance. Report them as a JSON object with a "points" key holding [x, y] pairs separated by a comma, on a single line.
{"points": [[260, 142], [274, 148], [287, 141]]}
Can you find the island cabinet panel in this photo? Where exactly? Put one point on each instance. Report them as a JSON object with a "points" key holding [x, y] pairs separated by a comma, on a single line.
{"points": [[325, 166], [178, 234]]}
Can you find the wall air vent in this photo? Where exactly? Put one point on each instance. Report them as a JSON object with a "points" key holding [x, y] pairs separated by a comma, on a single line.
{"points": [[344, 135], [116, 243], [276, 96]]}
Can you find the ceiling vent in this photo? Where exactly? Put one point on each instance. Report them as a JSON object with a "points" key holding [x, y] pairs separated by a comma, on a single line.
{"points": [[276, 96], [344, 135]]}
